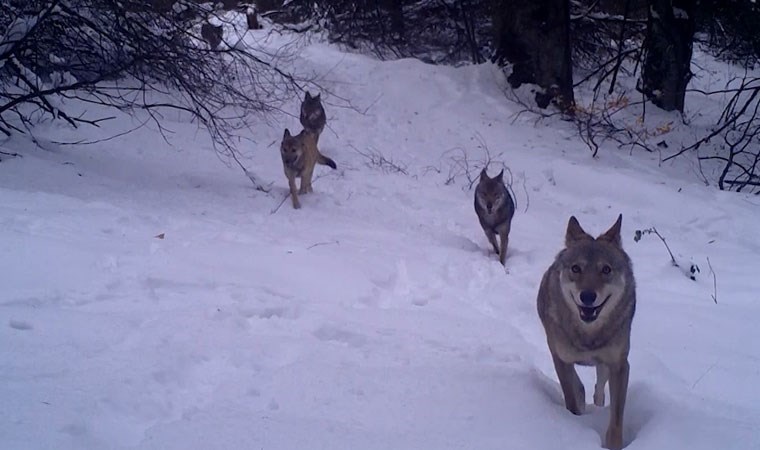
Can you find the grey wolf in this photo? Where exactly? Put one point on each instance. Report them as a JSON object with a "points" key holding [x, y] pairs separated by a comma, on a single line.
{"points": [[299, 156], [313, 114], [586, 303], [495, 209]]}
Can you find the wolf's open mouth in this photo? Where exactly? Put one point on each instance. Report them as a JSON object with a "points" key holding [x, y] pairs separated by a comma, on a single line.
{"points": [[590, 313]]}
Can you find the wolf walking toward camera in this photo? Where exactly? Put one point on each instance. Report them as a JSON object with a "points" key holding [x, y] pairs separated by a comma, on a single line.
{"points": [[299, 156], [586, 303], [495, 209], [313, 114]]}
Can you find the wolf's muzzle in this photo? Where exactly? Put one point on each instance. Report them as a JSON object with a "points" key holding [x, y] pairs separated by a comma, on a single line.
{"points": [[588, 311]]}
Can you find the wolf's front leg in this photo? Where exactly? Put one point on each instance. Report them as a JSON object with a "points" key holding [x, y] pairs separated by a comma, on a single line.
{"points": [[618, 391], [492, 239], [504, 240], [572, 387], [293, 193]]}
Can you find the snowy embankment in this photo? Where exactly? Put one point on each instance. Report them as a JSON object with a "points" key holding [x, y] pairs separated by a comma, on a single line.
{"points": [[373, 318]]}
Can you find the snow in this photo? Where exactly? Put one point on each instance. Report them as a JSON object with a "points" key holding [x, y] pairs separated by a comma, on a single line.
{"points": [[375, 317]]}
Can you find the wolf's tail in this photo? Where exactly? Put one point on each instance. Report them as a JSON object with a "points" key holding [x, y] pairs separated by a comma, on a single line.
{"points": [[324, 160]]}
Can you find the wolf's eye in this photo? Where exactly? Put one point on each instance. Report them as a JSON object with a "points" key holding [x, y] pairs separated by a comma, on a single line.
{"points": [[606, 270], [576, 268]]}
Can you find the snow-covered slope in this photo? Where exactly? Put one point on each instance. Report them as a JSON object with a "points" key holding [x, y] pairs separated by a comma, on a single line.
{"points": [[373, 318]]}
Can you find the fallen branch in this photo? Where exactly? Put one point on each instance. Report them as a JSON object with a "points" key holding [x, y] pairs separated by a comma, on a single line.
{"points": [[693, 268], [715, 282], [323, 243], [654, 231]]}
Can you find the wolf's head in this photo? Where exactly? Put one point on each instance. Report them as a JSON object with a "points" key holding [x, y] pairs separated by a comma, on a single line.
{"points": [[491, 193], [311, 107], [291, 148], [594, 273]]}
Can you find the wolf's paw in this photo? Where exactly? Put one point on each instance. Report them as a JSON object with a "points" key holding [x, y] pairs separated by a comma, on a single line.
{"points": [[578, 407], [614, 438], [599, 398]]}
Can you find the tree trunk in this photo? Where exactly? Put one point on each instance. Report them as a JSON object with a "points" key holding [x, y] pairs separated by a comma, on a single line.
{"points": [[534, 35], [668, 49], [396, 10]]}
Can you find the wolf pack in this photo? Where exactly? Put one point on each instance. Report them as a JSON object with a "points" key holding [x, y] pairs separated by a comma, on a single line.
{"points": [[586, 298]]}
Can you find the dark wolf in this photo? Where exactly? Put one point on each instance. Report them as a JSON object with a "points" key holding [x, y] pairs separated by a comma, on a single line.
{"points": [[312, 115], [495, 209]]}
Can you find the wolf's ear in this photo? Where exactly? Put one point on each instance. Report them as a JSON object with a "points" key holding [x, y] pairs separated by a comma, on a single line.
{"points": [[308, 96], [500, 176], [484, 175], [613, 234], [287, 133], [575, 233], [316, 97]]}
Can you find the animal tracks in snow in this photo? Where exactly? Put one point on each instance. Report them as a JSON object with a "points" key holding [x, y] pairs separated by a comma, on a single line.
{"points": [[20, 325], [266, 305], [340, 335]]}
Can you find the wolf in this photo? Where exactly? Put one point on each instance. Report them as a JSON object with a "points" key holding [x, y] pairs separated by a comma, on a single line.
{"points": [[495, 209], [586, 303], [313, 114], [299, 156]]}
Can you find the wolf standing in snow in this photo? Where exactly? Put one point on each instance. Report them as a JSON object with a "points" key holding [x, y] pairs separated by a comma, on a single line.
{"points": [[586, 304], [313, 114], [299, 156], [495, 209]]}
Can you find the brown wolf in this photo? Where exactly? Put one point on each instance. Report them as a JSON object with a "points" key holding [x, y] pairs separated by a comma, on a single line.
{"points": [[586, 303], [299, 156], [495, 209], [313, 114]]}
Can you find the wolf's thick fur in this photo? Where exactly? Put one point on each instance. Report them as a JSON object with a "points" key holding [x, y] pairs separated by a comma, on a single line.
{"points": [[495, 209], [299, 156], [586, 303], [313, 114]]}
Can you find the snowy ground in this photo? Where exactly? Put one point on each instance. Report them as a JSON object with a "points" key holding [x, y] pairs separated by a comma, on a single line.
{"points": [[373, 318]]}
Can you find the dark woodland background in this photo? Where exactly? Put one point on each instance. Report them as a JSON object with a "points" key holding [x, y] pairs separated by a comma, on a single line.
{"points": [[110, 52]]}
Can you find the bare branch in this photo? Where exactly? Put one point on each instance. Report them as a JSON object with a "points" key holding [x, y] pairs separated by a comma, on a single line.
{"points": [[715, 282]]}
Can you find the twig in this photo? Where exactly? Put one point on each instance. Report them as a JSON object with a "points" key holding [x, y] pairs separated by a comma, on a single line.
{"points": [[323, 243], [376, 159], [314, 180], [256, 185], [654, 231], [11, 154], [280, 204], [715, 282], [704, 374], [96, 141]]}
